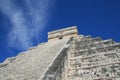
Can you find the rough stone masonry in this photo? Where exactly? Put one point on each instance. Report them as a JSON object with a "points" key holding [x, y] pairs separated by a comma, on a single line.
{"points": [[67, 55]]}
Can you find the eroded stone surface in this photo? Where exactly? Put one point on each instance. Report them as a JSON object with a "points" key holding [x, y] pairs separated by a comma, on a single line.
{"points": [[31, 64], [78, 58]]}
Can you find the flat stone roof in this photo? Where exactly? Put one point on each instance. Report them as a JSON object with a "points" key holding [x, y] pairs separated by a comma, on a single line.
{"points": [[64, 29]]}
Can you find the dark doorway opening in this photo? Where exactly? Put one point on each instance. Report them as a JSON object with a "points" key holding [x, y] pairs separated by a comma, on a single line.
{"points": [[60, 37]]}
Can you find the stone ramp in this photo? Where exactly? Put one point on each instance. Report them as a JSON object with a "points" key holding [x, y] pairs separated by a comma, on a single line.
{"points": [[33, 63]]}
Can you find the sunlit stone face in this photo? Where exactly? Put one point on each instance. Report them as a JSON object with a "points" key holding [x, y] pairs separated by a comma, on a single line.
{"points": [[65, 58], [63, 33]]}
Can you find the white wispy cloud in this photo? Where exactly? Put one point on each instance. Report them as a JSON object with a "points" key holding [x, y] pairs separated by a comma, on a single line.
{"points": [[27, 21]]}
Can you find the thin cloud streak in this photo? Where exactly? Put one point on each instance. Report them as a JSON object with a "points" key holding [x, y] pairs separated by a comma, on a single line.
{"points": [[27, 21]]}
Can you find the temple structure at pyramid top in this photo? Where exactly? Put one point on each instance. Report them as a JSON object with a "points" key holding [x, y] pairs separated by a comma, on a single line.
{"points": [[65, 33], [66, 56]]}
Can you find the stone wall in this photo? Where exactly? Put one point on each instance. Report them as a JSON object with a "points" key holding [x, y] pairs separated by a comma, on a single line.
{"points": [[65, 33]]}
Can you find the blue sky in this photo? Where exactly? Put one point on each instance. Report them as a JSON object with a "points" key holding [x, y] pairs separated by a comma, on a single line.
{"points": [[25, 23]]}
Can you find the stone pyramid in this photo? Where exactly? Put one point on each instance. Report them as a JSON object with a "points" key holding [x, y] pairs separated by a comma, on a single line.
{"points": [[66, 56]]}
